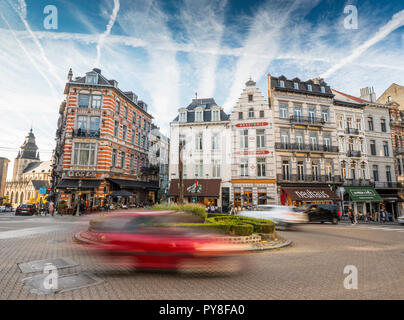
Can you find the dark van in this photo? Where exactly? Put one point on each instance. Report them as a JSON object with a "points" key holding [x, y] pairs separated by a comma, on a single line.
{"points": [[323, 213]]}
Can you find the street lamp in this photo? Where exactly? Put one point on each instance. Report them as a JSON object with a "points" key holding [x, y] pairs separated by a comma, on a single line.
{"points": [[78, 198]]}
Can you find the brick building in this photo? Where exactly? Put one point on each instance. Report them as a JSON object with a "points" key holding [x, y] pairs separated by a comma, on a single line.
{"points": [[102, 142]]}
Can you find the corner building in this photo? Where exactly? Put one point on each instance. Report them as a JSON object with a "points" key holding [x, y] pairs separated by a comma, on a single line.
{"points": [[102, 142]]}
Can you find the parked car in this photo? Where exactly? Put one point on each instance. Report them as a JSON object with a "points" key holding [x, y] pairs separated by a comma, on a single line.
{"points": [[322, 213], [2, 208], [26, 209], [401, 219], [150, 240], [283, 216]]}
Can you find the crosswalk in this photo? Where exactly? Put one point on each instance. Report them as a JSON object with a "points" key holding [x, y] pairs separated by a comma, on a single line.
{"points": [[389, 228]]}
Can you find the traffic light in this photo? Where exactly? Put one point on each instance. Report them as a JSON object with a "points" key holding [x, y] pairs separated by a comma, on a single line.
{"points": [[48, 190]]}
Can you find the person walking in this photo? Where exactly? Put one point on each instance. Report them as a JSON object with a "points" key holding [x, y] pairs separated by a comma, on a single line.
{"points": [[351, 215], [51, 208]]}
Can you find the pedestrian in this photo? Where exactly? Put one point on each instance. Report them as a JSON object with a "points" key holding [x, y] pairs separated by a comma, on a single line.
{"points": [[351, 215], [386, 214], [382, 215], [51, 208]]}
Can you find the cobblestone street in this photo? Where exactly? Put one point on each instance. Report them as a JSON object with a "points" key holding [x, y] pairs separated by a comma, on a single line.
{"points": [[312, 268]]}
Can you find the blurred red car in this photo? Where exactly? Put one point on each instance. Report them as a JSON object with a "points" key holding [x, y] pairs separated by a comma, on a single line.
{"points": [[151, 241]]}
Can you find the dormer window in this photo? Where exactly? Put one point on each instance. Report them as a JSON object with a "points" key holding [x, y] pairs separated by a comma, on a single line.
{"points": [[250, 98], [91, 78], [322, 90], [309, 87], [282, 84], [183, 116], [296, 85], [198, 115], [215, 115]]}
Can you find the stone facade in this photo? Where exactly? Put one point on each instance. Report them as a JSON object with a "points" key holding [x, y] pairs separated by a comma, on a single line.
{"points": [[3, 174]]}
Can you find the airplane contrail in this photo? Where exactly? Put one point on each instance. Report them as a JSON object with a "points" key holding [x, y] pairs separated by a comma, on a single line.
{"points": [[107, 30], [396, 22]]}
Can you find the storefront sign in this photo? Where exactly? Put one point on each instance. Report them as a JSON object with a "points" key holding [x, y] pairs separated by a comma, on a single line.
{"points": [[307, 194], [79, 174], [256, 152], [253, 124]]}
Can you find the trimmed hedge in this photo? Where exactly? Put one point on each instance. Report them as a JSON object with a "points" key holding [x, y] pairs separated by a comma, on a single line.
{"points": [[259, 225], [195, 209]]}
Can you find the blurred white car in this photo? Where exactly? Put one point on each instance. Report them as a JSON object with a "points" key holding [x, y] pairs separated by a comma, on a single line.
{"points": [[283, 216], [2, 208], [401, 219]]}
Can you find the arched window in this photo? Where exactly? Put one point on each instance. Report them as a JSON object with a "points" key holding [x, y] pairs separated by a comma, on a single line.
{"points": [[22, 197], [16, 197]]}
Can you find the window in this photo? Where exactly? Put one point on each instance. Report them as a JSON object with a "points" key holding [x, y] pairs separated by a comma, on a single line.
{"points": [[285, 140], [322, 90], [240, 115], [340, 122], [296, 85], [389, 99], [132, 138], [215, 168], [353, 171], [91, 78], [375, 172], [199, 141], [383, 125], [84, 100], [260, 138], [325, 115], [140, 122], [122, 159], [84, 154], [285, 170], [250, 98], [199, 169], [144, 142], [114, 157], [309, 87], [299, 141], [144, 124], [313, 142], [134, 118], [261, 167], [138, 139], [373, 147], [132, 162], [125, 112], [297, 113], [283, 112], [282, 84], [244, 168], [370, 124], [117, 107], [348, 123], [359, 124], [182, 139], [262, 113], [244, 139], [215, 115], [251, 113], [215, 141], [388, 173], [327, 143], [116, 128], [183, 117], [315, 170], [328, 170], [399, 166], [82, 123], [343, 170], [124, 130], [199, 116], [94, 125], [300, 170], [386, 149], [312, 115]]}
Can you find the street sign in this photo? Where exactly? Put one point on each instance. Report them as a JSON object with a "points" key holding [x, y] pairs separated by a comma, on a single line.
{"points": [[42, 190]]}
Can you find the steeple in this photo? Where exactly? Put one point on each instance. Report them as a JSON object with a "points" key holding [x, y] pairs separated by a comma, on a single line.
{"points": [[29, 148]]}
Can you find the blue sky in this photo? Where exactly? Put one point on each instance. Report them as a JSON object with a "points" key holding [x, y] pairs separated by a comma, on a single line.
{"points": [[165, 51]]}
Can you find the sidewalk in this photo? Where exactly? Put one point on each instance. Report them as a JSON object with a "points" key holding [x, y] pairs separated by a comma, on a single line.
{"points": [[371, 223]]}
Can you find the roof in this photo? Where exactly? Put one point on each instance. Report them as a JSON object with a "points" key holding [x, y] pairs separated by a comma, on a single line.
{"points": [[209, 188], [302, 86], [339, 94], [38, 167], [207, 104], [38, 184]]}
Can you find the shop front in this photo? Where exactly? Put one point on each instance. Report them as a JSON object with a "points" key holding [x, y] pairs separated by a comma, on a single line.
{"points": [[203, 191], [363, 200], [145, 192], [306, 195], [252, 192]]}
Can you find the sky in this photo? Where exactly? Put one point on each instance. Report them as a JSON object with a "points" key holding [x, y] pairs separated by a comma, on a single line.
{"points": [[165, 51]]}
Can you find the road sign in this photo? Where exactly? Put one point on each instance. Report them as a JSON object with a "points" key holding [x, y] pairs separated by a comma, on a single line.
{"points": [[42, 190]]}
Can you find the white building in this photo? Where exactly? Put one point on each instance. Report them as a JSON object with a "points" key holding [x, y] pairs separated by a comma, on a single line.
{"points": [[253, 161], [205, 130]]}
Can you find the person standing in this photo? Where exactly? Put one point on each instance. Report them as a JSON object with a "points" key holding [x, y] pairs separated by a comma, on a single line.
{"points": [[51, 208], [351, 215]]}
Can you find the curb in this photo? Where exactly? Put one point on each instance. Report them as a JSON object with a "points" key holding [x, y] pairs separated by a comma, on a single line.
{"points": [[277, 246]]}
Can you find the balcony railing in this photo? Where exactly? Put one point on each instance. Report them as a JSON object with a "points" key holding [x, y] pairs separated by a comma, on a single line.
{"points": [[355, 154], [352, 131], [379, 184], [308, 178], [357, 182], [305, 147], [306, 120], [399, 150], [86, 134]]}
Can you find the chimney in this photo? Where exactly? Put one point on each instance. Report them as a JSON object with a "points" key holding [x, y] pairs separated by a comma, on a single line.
{"points": [[318, 80], [97, 70], [70, 75], [368, 94]]}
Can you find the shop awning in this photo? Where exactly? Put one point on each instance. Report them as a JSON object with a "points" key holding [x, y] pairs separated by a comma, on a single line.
{"points": [[391, 197], [310, 194], [135, 184], [121, 193], [74, 184], [363, 194], [196, 188]]}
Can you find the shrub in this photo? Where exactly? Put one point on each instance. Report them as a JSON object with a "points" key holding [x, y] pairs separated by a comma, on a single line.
{"points": [[62, 205], [242, 229], [193, 208]]}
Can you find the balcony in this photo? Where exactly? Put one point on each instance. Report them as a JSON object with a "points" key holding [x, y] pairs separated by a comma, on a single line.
{"points": [[357, 182], [393, 185], [399, 151], [313, 121], [305, 147], [352, 131], [354, 154], [308, 178], [86, 134]]}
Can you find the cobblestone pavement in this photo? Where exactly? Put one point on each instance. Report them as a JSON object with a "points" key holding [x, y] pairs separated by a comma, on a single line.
{"points": [[312, 268]]}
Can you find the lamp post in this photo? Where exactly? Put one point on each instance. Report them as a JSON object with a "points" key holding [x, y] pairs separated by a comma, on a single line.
{"points": [[78, 198]]}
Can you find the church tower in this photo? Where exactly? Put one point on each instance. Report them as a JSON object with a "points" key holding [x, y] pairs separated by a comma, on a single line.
{"points": [[28, 153]]}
